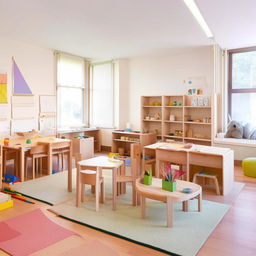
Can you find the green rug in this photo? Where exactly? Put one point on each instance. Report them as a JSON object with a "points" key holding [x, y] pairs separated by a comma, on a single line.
{"points": [[191, 229], [49, 189]]}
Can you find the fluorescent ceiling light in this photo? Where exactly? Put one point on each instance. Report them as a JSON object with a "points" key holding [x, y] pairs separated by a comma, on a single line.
{"points": [[198, 16]]}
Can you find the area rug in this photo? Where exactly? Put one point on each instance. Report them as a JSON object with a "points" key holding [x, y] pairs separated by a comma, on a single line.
{"points": [[50, 189], [190, 231], [29, 233], [53, 189]]}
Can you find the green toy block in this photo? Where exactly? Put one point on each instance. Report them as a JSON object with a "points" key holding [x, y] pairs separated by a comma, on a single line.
{"points": [[249, 166], [169, 186]]}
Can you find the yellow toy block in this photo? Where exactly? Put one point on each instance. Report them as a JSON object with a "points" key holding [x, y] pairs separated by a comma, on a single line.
{"points": [[6, 205]]}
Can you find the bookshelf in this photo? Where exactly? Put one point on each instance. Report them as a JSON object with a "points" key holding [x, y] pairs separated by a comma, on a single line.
{"points": [[182, 118]]}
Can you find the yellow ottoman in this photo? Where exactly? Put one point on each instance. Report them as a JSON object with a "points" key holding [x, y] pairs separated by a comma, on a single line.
{"points": [[249, 166]]}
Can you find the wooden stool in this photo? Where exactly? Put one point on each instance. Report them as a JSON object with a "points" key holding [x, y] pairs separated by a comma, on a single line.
{"points": [[207, 176]]}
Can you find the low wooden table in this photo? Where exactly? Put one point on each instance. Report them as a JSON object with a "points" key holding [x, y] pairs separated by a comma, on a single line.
{"points": [[100, 162], [156, 192]]}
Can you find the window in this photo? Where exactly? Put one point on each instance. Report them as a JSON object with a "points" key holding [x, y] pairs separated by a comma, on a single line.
{"points": [[102, 95], [70, 91], [242, 85]]}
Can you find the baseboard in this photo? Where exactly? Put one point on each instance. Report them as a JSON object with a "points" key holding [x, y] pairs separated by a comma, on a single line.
{"points": [[238, 162], [106, 148]]}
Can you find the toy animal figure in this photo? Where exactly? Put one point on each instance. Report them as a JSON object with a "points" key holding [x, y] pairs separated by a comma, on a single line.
{"points": [[235, 130]]}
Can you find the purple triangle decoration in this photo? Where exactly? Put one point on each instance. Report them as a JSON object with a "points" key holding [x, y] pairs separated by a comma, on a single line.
{"points": [[20, 86]]}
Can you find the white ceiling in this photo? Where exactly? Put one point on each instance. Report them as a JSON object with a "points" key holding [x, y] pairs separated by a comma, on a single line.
{"points": [[233, 22], [122, 28]]}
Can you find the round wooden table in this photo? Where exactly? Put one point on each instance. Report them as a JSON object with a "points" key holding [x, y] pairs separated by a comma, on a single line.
{"points": [[156, 192]]}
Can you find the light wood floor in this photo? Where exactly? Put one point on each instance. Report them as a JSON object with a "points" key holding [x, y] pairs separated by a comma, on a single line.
{"points": [[235, 234]]}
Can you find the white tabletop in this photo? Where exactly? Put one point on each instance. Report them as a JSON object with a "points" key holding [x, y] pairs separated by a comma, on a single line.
{"points": [[101, 161], [195, 148]]}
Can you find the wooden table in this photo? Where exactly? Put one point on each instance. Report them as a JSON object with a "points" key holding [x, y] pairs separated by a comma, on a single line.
{"points": [[100, 162], [156, 192], [207, 156], [20, 146]]}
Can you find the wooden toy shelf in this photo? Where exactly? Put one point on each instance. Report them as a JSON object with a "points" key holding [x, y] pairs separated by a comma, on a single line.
{"points": [[183, 118], [122, 139]]}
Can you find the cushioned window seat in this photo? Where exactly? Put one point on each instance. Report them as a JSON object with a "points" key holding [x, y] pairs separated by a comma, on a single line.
{"points": [[238, 142]]}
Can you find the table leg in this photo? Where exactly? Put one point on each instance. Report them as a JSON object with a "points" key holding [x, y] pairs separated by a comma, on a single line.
{"points": [[143, 206], [169, 212], [157, 168], [49, 162], [114, 189], [123, 184], [22, 163], [78, 186], [70, 169], [97, 188], [185, 206], [199, 202]]}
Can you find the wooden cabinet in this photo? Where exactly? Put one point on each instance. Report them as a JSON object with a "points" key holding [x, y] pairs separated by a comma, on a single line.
{"points": [[181, 118], [90, 132], [84, 146], [123, 140]]}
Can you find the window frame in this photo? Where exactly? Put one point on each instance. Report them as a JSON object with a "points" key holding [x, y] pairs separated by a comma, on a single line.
{"points": [[230, 68], [92, 64], [84, 90]]}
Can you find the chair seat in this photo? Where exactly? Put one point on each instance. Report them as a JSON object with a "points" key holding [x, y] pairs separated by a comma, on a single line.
{"points": [[88, 171]]}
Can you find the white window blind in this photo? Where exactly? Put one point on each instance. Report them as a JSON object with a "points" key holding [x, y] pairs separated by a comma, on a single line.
{"points": [[70, 91], [102, 95]]}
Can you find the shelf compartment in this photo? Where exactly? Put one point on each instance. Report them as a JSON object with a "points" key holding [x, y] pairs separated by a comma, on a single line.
{"points": [[200, 123], [146, 120], [128, 141], [199, 139]]}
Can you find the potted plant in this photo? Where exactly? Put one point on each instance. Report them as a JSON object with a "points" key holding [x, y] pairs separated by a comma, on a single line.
{"points": [[170, 176]]}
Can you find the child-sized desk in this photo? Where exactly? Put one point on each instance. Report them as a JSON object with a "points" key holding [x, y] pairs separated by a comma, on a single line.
{"points": [[21, 147], [199, 155]]}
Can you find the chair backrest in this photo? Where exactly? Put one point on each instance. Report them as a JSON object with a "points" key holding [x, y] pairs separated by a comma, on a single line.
{"points": [[136, 160], [39, 149]]}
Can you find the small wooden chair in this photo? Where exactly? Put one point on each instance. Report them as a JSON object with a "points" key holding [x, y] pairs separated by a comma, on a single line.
{"points": [[135, 169], [207, 176], [8, 156], [36, 153], [90, 176], [59, 150]]}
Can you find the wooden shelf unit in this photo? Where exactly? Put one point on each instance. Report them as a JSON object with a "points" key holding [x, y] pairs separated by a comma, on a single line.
{"points": [[198, 131], [132, 137]]}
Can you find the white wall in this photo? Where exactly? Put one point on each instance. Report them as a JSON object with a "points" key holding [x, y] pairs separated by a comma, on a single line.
{"points": [[35, 63], [165, 75]]}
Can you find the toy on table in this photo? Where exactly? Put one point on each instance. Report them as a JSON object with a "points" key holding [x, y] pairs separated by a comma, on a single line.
{"points": [[187, 190], [8, 178], [6, 141], [28, 141], [27, 134]]}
